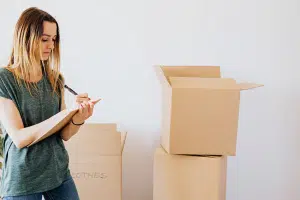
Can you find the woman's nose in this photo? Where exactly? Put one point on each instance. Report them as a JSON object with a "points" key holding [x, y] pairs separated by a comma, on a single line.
{"points": [[51, 46]]}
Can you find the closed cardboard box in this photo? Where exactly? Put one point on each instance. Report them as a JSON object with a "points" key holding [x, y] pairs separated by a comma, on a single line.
{"points": [[200, 110], [182, 177], [96, 161]]}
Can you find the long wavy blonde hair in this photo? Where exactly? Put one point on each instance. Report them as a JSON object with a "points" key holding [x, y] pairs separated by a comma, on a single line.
{"points": [[26, 54]]}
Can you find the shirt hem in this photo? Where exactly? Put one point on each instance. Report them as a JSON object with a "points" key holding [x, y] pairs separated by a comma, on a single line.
{"points": [[32, 192]]}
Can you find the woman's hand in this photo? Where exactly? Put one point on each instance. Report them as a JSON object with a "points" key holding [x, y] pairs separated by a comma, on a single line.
{"points": [[82, 98], [86, 108]]}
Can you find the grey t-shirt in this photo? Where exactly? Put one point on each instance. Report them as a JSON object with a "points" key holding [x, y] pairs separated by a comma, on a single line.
{"points": [[42, 166]]}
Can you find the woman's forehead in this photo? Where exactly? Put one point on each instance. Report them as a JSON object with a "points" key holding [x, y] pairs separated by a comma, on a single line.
{"points": [[49, 29]]}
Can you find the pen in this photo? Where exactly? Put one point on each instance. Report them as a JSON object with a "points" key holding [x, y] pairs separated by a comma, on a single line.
{"points": [[70, 90], [75, 93]]}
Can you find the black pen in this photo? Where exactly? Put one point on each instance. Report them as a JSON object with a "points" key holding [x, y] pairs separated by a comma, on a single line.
{"points": [[75, 93], [70, 90]]}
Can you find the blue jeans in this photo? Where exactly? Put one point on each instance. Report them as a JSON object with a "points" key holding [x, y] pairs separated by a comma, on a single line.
{"points": [[66, 191]]}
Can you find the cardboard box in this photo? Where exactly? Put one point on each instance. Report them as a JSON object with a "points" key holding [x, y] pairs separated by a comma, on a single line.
{"points": [[96, 161], [182, 177], [199, 110]]}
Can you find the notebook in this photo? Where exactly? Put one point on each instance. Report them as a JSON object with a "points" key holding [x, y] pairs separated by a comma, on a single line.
{"points": [[58, 122]]}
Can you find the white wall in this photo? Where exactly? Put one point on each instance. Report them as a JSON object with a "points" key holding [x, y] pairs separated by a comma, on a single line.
{"points": [[109, 48]]}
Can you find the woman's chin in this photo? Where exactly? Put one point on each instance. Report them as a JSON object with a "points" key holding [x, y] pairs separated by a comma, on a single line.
{"points": [[45, 58]]}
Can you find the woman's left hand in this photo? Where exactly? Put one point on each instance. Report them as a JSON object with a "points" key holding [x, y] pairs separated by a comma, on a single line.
{"points": [[82, 98], [86, 108], [85, 111]]}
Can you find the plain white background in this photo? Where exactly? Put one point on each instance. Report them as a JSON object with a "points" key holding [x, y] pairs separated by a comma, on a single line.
{"points": [[109, 48]]}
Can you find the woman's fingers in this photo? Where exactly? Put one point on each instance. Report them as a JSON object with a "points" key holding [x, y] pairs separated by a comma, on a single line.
{"points": [[84, 95], [91, 104], [95, 101], [82, 99], [80, 108], [91, 108], [86, 109]]}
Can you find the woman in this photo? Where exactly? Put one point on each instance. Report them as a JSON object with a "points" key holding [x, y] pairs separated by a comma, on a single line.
{"points": [[31, 92]]}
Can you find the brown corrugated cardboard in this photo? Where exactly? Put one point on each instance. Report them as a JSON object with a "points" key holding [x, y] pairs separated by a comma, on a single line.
{"points": [[199, 110], [185, 177], [96, 161]]}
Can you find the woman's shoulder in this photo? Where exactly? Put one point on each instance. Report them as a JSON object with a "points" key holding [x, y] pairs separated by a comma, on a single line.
{"points": [[4, 69], [5, 73], [7, 83]]}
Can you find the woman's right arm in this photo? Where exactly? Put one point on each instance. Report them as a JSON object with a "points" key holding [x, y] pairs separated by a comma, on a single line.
{"points": [[12, 122]]}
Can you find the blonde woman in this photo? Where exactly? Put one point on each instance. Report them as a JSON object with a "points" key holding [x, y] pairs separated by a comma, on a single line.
{"points": [[32, 91]]}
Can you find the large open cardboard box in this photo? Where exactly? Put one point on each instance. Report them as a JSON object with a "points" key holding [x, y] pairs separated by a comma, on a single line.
{"points": [[96, 161], [182, 177], [200, 110]]}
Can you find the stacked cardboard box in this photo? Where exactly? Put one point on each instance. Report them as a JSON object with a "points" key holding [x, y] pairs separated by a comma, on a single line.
{"points": [[199, 130], [96, 161]]}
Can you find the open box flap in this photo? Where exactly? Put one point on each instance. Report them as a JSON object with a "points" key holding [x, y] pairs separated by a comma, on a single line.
{"points": [[96, 140], [160, 74], [192, 71], [210, 83], [203, 83], [164, 72], [123, 140], [247, 86]]}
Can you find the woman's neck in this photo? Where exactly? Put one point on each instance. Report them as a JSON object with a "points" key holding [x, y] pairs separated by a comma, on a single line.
{"points": [[37, 75]]}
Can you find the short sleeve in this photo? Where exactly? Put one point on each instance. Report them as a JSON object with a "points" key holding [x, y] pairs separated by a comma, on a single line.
{"points": [[4, 86]]}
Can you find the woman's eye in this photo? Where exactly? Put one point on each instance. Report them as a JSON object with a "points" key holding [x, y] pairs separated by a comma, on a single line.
{"points": [[46, 40]]}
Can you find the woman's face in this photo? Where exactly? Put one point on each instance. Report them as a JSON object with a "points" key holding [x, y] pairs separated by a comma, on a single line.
{"points": [[48, 39]]}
